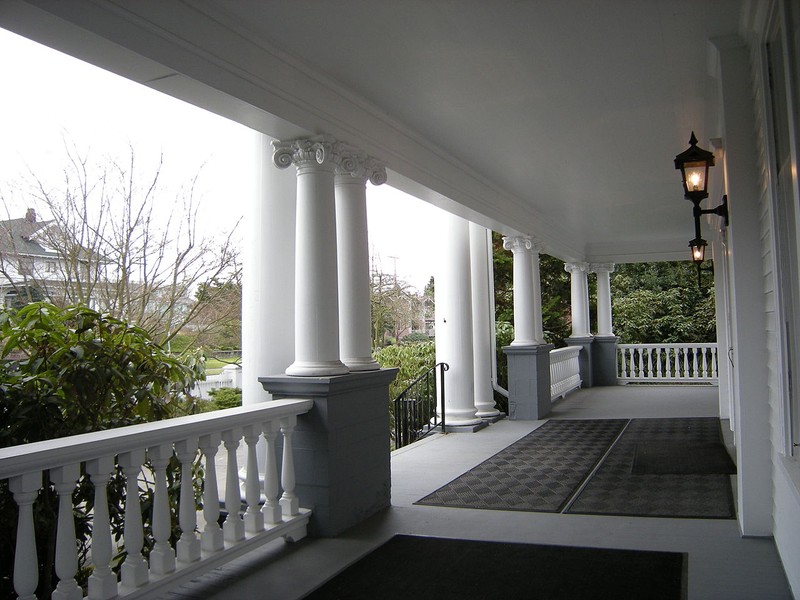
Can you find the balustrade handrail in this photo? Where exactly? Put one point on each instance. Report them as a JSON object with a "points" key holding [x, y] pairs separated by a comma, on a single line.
{"points": [[17, 460]]}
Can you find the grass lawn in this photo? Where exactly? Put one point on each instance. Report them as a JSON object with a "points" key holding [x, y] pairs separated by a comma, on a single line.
{"points": [[214, 366]]}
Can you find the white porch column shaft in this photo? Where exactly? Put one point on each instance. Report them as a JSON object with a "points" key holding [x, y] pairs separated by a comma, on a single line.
{"points": [[454, 321], [316, 281], [536, 281], [352, 173], [524, 333], [268, 275], [579, 295], [481, 321], [604, 323]]}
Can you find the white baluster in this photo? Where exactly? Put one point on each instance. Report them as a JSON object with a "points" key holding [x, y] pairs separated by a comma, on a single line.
{"points": [[66, 561], [233, 527], [640, 371], [26, 565], [272, 508], [704, 362], [162, 556], [134, 569], [253, 519], [659, 372], [211, 538], [103, 581], [289, 501], [650, 353], [188, 546], [694, 362]]}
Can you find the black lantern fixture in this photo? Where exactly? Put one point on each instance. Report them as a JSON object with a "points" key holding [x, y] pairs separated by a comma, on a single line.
{"points": [[693, 164]]}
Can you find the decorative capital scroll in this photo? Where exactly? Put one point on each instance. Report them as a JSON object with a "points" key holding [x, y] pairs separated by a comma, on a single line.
{"points": [[303, 152], [517, 243], [576, 267], [353, 162], [601, 267], [537, 246]]}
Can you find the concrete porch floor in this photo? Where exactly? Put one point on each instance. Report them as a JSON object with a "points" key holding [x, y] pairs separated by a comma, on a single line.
{"points": [[722, 564]]}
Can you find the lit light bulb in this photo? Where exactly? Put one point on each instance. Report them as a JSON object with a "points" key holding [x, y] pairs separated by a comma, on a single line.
{"points": [[694, 180], [697, 254]]}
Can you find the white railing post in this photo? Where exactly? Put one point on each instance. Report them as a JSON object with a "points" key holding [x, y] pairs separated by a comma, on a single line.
{"points": [[103, 581], [211, 538], [25, 488], [66, 559], [289, 501], [253, 519], [233, 527], [162, 556], [134, 569], [188, 546], [272, 508]]}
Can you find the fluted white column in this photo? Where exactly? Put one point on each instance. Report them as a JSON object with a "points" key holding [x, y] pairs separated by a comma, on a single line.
{"points": [[454, 321], [479, 237], [604, 323], [316, 279], [579, 294], [352, 173], [536, 282], [524, 333]]}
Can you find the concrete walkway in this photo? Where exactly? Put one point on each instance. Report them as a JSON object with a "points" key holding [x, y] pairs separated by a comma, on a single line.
{"points": [[722, 564]]}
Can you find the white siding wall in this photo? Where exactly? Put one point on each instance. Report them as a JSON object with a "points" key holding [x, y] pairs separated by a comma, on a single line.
{"points": [[785, 471]]}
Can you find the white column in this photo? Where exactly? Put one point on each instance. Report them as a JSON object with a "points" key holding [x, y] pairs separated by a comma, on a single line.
{"points": [[536, 281], [604, 324], [352, 173], [268, 275], [481, 321], [316, 280], [454, 321], [524, 333], [579, 294]]}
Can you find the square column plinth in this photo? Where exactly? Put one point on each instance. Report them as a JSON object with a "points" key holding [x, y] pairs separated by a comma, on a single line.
{"points": [[528, 381], [341, 446], [604, 357]]}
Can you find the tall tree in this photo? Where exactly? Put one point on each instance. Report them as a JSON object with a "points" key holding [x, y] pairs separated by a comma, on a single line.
{"points": [[124, 245]]}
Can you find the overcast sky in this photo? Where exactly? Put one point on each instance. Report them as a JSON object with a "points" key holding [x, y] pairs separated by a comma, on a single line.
{"points": [[50, 99]]}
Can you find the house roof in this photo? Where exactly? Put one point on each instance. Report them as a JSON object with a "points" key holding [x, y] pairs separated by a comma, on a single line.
{"points": [[19, 237]]}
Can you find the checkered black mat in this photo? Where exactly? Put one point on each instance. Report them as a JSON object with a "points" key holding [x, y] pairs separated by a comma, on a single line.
{"points": [[555, 469]]}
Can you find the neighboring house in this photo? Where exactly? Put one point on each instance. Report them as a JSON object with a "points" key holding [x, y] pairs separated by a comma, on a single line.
{"points": [[30, 269]]}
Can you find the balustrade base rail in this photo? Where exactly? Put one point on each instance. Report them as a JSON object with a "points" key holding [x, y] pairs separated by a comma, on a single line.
{"points": [[668, 363]]}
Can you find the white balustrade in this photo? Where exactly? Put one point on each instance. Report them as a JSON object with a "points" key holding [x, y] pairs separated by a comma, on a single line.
{"points": [[23, 466], [668, 363], [565, 372]]}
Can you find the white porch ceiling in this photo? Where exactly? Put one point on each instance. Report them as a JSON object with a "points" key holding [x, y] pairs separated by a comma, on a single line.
{"points": [[557, 118]]}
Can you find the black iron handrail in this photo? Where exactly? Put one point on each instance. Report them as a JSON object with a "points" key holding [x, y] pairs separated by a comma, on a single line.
{"points": [[415, 414]]}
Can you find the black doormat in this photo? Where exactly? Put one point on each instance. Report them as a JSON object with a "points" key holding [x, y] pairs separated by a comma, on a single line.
{"points": [[669, 458], [538, 473], [442, 569], [615, 489]]}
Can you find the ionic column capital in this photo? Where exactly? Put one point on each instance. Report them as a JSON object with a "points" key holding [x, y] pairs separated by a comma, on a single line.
{"points": [[576, 267], [306, 152], [601, 267], [537, 246], [352, 162], [517, 243]]}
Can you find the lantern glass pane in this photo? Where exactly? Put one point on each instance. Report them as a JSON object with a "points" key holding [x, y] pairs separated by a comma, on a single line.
{"points": [[695, 173]]}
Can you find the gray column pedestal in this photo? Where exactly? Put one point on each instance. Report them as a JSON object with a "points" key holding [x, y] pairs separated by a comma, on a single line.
{"points": [[604, 356], [586, 359], [528, 381], [341, 446]]}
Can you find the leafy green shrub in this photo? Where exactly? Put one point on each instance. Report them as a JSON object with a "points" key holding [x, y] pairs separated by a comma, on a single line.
{"points": [[225, 397], [415, 338], [412, 360], [66, 371]]}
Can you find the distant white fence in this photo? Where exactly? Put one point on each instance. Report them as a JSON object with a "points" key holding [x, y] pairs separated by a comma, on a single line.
{"points": [[231, 377], [668, 363], [565, 372]]}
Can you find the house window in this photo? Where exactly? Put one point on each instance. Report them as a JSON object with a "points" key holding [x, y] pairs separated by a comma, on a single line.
{"points": [[785, 208]]}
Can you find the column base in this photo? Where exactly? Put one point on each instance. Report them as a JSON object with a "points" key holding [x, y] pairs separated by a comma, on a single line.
{"points": [[448, 428], [342, 458], [585, 359], [498, 416], [528, 381], [361, 364], [322, 368]]}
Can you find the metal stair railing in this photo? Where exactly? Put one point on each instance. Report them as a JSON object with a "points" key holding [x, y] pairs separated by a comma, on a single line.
{"points": [[415, 414]]}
